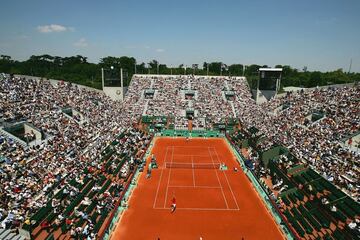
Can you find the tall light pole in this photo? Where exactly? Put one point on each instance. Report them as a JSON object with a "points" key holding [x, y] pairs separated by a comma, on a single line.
{"points": [[121, 80], [102, 77], [195, 66]]}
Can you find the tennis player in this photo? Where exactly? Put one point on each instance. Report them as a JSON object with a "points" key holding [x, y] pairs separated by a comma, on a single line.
{"points": [[148, 175], [173, 204]]}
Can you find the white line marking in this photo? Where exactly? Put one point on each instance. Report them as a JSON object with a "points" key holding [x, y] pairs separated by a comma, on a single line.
{"points": [[191, 165], [232, 193], [157, 191], [193, 170], [189, 147], [167, 186], [189, 155], [217, 187], [227, 206], [201, 209]]}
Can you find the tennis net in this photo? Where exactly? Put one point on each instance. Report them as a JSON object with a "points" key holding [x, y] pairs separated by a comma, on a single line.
{"points": [[192, 165]]}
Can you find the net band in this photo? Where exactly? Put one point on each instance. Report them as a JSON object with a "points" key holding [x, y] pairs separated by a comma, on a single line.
{"points": [[192, 165]]}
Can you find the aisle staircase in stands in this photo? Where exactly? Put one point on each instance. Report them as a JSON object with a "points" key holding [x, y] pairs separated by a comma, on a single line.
{"points": [[9, 235], [233, 109], [190, 125], [145, 107], [226, 85]]}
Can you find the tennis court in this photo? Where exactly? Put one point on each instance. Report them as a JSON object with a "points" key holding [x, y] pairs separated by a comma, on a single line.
{"points": [[211, 203]]}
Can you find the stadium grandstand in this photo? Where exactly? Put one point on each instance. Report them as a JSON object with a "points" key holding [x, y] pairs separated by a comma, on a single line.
{"points": [[73, 161]]}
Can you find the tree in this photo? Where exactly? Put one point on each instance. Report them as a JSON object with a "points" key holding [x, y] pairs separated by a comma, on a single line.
{"points": [[128, 64], [78, 70], [6, 57], [215, 68], [315, 78], [141, 68], [107, 62], [153, 64], [205, 65], [252, 70], [236, 69], [163, 69]]}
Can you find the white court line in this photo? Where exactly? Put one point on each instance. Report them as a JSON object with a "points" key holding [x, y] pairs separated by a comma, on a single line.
{"points": [[192, 164], [190, 155], [189, 147], [167, 186], [232, 193], [201, 209], [157, 191], [194, 187], [193, 170], [227, 206]]}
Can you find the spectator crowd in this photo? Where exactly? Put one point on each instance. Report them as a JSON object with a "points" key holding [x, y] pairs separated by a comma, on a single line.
{"points": [[29, 176], [320, 142], [316, 125]]}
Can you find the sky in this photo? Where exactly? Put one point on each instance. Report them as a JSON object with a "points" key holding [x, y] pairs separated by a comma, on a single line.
{"points": [[320, 34]]}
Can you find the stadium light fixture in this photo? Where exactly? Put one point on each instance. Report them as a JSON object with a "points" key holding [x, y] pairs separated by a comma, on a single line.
{"points": [[148, 67]]}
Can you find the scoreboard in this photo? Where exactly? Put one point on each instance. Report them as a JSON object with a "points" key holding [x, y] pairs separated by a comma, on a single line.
{"points": [[269, 79], [111, 77]]}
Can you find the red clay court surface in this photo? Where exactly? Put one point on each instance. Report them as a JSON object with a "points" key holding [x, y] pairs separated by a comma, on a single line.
{"points": [[211, 203]]}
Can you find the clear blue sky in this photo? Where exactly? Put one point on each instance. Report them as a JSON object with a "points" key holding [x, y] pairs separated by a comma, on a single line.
{"points": [[321, 34]]}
